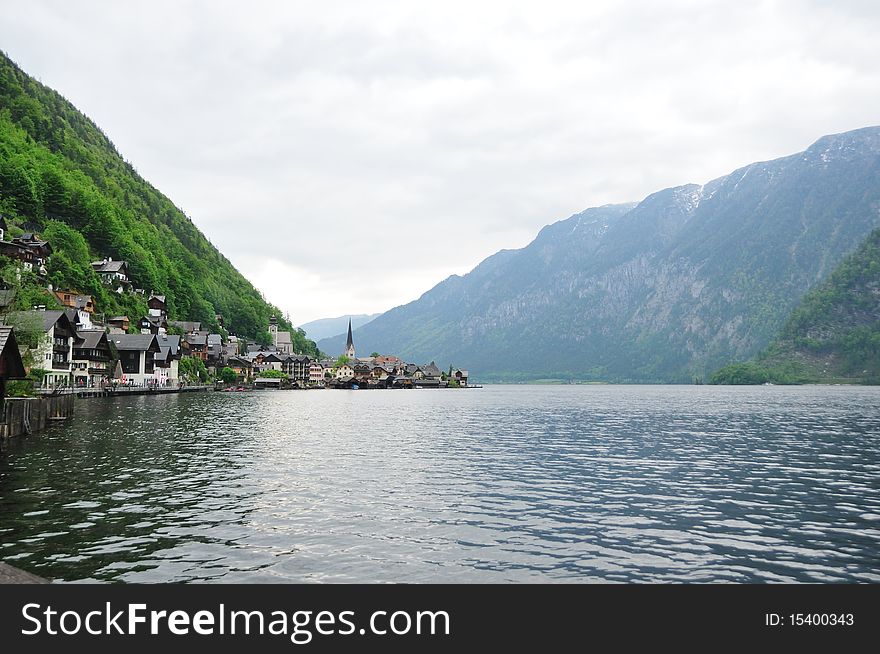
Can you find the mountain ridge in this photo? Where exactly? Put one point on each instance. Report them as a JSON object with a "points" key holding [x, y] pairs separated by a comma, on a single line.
{"points": [[667, 289]]}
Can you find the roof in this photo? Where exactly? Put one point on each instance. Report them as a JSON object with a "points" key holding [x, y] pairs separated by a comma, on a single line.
{"points": [[90, 339], [137, 342], [161, 298], [186, 325], [431, 369], [197, 339], [49, 318], [171, 341], [11, 366], [108, 266], [214, 339], [284, 337]]}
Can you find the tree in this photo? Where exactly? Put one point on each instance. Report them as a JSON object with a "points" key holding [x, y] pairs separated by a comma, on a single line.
{"points": [[228, 375], [273, 374], [375, 354], [193, 369], [341, 361]]}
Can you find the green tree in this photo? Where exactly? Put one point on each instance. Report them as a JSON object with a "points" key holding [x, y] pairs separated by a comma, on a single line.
{"points": [[273, 374], [228, 375]]}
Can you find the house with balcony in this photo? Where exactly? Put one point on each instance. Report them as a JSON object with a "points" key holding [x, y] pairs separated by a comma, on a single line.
{"points": [[30, 250], [243, 368], [72, 299], [92, 359], [167, 360], [113, 273], [197, 344], [137, 358], [119, 324], [54, 353], [157, 305]]}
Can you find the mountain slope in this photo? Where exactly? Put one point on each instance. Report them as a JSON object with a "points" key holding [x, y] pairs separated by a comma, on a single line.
{"points": [[328, 327], [833, 336], [60, 174], [683, 282]]}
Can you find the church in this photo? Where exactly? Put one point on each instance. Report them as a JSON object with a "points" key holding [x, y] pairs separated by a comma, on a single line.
{"points": [[349, 343]]}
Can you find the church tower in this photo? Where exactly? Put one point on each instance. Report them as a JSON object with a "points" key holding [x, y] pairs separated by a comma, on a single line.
{"points": [[273, 330], [349, 344]]}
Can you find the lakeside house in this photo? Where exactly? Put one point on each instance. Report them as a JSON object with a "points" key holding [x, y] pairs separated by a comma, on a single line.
{"points": [[137, 357], [91, 358], [54, 351]]}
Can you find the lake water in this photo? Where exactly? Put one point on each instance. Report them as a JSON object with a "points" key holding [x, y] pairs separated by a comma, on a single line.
{"points": [[499, 484]]}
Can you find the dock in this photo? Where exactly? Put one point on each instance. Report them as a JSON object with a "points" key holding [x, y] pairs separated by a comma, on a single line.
{"points": [[119, 391]]}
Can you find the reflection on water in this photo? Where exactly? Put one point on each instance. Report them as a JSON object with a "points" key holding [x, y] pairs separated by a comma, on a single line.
{"points": [[575, 483]]}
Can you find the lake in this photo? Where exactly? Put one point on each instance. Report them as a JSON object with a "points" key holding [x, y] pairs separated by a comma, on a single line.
{"points": [[499, 484]]}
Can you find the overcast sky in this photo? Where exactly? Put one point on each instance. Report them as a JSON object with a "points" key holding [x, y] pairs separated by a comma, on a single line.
{"points": [[348, 156]]}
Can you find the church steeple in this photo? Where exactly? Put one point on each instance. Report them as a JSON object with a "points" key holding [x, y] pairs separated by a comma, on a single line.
{"points": [[349, 343]]}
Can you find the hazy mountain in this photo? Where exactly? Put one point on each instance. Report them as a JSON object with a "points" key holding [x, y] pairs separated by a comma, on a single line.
{"points": [[683, 282], [326, 327], [832, 336]]}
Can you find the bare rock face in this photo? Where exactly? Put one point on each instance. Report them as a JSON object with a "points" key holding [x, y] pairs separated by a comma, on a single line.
{"points": [[667, 289]]}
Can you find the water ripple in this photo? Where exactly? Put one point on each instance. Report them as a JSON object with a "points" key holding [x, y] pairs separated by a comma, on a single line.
{"points": [[614, 484]]}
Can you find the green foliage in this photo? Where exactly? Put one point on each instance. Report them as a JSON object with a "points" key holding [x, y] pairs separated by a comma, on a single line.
{"points": [[273, 374], [374, 354], [748, 373], [228, 375], [341, 361], [26, 387], [832, 336], [60, 172], [193, 370]]}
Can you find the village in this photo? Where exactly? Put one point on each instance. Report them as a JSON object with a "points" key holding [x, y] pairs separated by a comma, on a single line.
{"points": [[78, 349]]}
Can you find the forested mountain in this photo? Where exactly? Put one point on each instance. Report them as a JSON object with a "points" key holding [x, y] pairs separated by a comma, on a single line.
{"points": [[62, 177], [327, 327], [669, 289], [833, 336]]}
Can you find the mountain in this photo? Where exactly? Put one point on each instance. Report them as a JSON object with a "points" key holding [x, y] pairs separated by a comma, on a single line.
{"points": [[60, 175], [832, 336], [327, 327], [668, 289]]}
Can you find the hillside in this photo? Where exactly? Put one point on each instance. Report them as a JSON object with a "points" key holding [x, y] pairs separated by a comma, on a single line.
{"points": [[833, 336], [327, 327], [669, 289], [62, 177]]}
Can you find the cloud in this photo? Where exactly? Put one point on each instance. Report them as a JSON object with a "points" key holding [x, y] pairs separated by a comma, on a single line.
{"points": [[328, 144]]}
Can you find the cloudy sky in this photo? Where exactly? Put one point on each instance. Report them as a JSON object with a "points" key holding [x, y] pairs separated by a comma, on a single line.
{"points": [[348, 156]]}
